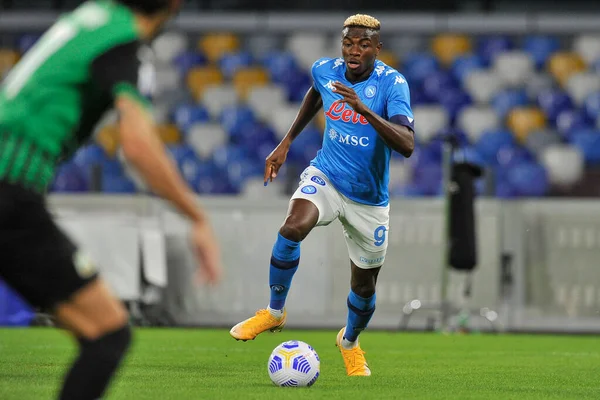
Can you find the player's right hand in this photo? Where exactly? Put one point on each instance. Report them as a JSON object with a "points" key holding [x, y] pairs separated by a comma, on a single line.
{"points": [[275, 160], [207, 252]]}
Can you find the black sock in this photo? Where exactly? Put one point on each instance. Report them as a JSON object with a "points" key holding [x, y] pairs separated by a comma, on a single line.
{"points": [[94, 368]]}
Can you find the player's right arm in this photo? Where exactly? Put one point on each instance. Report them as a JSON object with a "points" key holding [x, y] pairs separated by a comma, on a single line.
{"points": [[311, 104], [117, 71]]}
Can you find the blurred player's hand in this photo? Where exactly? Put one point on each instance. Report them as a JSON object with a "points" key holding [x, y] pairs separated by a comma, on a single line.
{"points": [[208, 253], [350, 97], [275, 160]]}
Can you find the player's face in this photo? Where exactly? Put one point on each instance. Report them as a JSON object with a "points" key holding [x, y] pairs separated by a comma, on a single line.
{"points": [[360, 47]]}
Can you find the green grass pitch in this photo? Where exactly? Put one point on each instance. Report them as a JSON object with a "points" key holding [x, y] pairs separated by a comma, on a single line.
{"points": [[209, 364]]}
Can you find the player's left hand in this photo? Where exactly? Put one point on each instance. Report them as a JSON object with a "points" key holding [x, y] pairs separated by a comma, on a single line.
{"points": [[350, 97]]}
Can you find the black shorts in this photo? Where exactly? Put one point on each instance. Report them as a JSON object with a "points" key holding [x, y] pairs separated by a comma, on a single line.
{"points": [[36, 258]]}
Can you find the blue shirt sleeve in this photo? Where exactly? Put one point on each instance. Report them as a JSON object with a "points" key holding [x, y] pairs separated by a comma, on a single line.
{"points": [[314, 72], [398, 101]]}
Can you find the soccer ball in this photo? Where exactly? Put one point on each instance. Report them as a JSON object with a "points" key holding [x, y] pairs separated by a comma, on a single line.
{"points": [[294, 363]]}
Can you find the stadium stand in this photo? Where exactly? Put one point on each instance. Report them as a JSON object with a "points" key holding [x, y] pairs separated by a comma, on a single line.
{"points": [[528, 108]]}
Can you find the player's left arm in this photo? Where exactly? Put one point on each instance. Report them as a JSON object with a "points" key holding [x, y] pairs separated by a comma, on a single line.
{"points": [[397, 131]]}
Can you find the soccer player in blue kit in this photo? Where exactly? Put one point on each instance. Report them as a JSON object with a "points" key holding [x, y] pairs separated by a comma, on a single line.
{"points": [[368, 115]]}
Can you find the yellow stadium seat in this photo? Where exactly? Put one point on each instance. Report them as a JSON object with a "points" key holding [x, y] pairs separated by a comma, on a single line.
{"points": [[169, 134], [201, 77], [320, 120], [108, 139], [524, 120], [214, 45], [248, 78], [447, 47], [389, 58], [8, 58], [562, 65]]}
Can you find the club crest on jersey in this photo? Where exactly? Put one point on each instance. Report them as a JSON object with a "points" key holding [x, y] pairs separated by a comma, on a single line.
{"points": [[370, 91], [338, 111], [309, 189], [318, 180]]}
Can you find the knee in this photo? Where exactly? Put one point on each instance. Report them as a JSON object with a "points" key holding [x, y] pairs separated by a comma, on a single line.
{"points": [[295, 229], [363, 289]]}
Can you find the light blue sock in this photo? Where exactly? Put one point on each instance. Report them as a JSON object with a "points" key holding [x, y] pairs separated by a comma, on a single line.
{"points": [[284, 263], [360, 311]]}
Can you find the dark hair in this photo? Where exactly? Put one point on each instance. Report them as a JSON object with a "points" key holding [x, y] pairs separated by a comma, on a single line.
{"points": [[146, 6]]}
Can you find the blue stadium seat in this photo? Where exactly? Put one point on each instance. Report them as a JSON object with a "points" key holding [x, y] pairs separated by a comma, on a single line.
{"points": [[257, 136], [187, 60], [117, 184], [186, 115], [437, 83], [588, 142], [241, 170], [26, 42], [490, 144], [69, 178], [418, 66], [489, 46], [305, 146], [224, 155], [230, 63], [418, 96], [454, 101], [569, 121], [280, 65], [540, 47], [507, 99], [528, 179], [212, 179], [89, 155], [181, 152], [591, 106], [297, 85], [467, 154], [463, 65], [554, 101], [14, 310], [235, 119], [428, 179]]}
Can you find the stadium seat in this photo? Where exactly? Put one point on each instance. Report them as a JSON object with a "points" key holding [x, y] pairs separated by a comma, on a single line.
{"points": [[475, 120], [167, 79], [591, 106], [388, 58], [482, 85], [540, 48], [216, 97], [523, 120], [204, 138], [581, 85], [235, 119], [254, 188], [26, 42], [537, 83], [489, 46], [169, 133], [565, 164], [69, 178], [437, 83], [199, 78], [308, 47], [230, 63], [305, 147], [588, 47], [91, 154], [108, 139], [447, 47], [491, 143], [465, 64], [296, 86], [528, 179], [320, 121], [454, 101], [418, 66], [514, 67], [280, 65], [553, 101], [261, 44], [507, 99], [169, 45], [282, 117], [187, 60], [246, 79], [587, 141], [568, 121], [8, 58], [214, 45], [537, 141], [186, 115], [121, 184], [264, 99], [562, 65], [406, 43], [399, 174], [429, 120]]}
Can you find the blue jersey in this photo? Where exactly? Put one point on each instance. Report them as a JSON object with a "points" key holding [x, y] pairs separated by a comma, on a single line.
{"points": [[353, 155]]}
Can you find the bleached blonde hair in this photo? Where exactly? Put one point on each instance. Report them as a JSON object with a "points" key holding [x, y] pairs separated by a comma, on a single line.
{"points": [[363, 20]]}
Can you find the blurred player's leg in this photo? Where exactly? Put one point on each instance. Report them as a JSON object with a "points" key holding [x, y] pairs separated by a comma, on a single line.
{"points": [[100, 324]]}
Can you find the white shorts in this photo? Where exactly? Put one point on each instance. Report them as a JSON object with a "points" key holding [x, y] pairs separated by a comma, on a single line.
{"points": [[365, 227]]}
